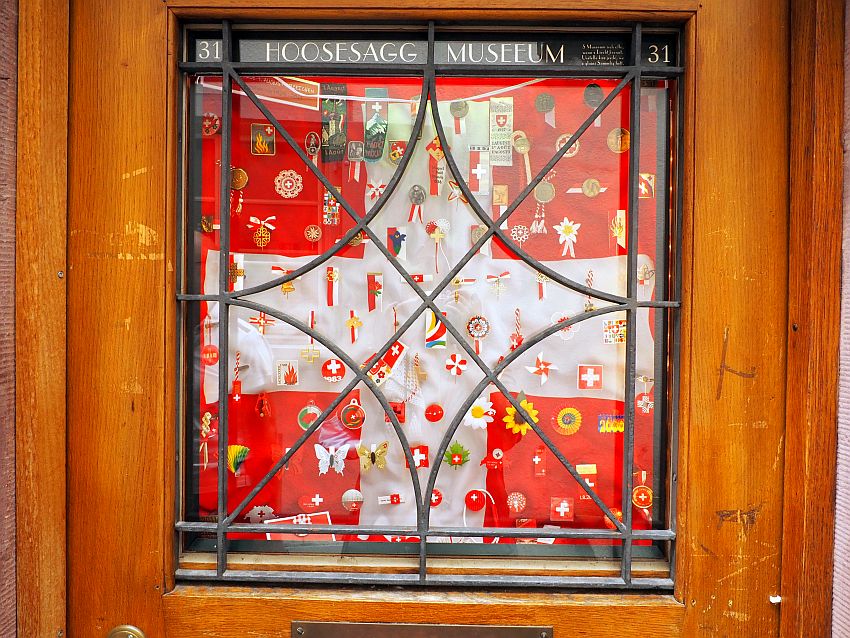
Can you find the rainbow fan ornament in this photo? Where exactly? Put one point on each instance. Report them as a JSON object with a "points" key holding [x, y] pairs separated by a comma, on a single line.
{"points": [[236, 455]]}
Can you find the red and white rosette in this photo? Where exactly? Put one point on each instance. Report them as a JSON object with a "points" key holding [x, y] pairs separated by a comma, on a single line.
{"points": [[332, 279], [455, 364]]}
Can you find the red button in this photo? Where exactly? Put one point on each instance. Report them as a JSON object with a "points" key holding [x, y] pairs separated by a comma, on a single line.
{"points": [[434, 412], [436, 497], [475, 500]]}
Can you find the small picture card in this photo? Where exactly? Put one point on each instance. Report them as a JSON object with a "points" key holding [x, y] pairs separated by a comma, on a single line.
{"points": [[287, 372], [262, 138]]}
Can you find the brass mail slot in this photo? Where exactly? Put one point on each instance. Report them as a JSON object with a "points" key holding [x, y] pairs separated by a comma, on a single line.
{"points": [[305, 629]]}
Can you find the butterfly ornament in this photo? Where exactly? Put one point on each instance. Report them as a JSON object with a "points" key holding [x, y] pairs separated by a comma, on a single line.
{"points": [[331, 457], [375, 454]]}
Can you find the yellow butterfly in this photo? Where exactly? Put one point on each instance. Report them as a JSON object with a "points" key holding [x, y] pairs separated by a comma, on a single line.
{"points": [[375, 455]]}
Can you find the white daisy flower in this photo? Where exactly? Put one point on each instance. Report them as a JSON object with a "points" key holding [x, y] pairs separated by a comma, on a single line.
{"points": [[480, 413]]}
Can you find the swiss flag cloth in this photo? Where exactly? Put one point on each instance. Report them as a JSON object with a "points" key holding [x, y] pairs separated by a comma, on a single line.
{"points": [[514, 489], [558, 499]]}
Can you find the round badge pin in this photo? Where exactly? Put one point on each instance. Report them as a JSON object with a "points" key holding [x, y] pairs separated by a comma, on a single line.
{"points": [[238, 179], [417, 195], [333, 370], [352, 415], [434, 412], [352, 500], [591, 187], [459, 108], [313, 233], [642, 497], [567, 422], [308, 415], [618, 140], [357, 239], [544, 103], [593, 95], [544, 192], [475, 500], [436, 497], [287, 184], [572, 150]]}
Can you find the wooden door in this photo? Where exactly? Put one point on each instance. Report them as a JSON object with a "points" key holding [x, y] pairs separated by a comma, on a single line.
{"points": [[121, 339]]}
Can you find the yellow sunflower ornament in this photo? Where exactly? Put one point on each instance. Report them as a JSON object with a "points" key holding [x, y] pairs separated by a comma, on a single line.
{"points": [[514, 422]]}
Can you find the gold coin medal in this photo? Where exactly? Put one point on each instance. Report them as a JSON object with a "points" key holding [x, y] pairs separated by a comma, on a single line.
{"points": [[262, 230], [619, 140], [544, 193], [238, 181], [591, 187]]}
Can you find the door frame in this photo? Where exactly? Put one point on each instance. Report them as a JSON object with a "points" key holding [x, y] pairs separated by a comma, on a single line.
{"points": [[815, 39]]}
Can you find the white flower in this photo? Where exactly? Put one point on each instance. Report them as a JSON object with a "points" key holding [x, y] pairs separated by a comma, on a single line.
{"points": [[567, 235], [480, 413]]}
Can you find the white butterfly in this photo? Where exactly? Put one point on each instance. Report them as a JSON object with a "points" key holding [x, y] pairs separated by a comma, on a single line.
{"points": [[330, 456]]}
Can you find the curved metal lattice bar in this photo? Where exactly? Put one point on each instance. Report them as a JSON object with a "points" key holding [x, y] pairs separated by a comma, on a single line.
{"points": [[359, 376], [629, 304], [490, 376], [361, 222], [493, 226]]}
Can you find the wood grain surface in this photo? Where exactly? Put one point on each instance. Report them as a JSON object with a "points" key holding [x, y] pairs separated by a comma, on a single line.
{"points": [[813, 319], [736, 256], [8, 128], [264, 613], [121, 385], [40, 296], [117, 315]]}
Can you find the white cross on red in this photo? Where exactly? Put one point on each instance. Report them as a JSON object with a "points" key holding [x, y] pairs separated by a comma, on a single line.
{"points": [[317, 500], [333, 365], [479, 171], [563, 509], [418, 457], [590, 377]]}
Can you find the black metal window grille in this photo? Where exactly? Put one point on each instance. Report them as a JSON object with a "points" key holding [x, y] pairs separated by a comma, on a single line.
{"points": [[666, 301]]}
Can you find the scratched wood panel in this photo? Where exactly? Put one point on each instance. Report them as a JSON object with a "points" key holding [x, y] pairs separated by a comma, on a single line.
{"points": [[40, 316], [731, 523], [190, 611], [117, 305], [8, 124], [814, 320]]}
